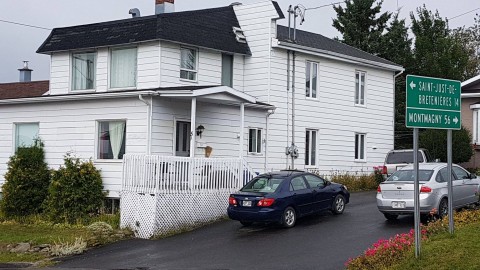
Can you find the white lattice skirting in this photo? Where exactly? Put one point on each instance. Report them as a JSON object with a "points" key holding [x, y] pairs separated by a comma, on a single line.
{"points": [[151, 215]]}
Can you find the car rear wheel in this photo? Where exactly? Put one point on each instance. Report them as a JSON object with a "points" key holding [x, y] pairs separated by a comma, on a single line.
{"points": [[443, 208], [246, 223], [289, 217], [390, 216], [338, 205]]}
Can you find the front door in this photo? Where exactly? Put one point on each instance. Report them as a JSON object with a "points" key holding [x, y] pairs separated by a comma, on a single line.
{"points": [[182, 139]]}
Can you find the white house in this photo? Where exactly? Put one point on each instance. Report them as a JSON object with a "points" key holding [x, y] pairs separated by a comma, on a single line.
{"points": [[221, 79]]}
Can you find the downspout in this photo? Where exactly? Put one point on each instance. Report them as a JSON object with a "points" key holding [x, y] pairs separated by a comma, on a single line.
{"points": [[270, 112], [293, 110], [149, 122], [394, 107], [288, 108]]}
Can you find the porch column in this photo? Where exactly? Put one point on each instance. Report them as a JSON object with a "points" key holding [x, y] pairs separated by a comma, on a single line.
{"points": [[242, 126], [193, 134]]}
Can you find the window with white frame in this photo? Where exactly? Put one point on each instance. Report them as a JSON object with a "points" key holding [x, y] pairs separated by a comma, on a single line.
{"points": [[227, 69], [25, 134], [311, 74], [188, 64], [360, 146], [255, 141], [476, 127], [111, 139], [311, 147], [123, 68], [83, 70], [360, 87]]}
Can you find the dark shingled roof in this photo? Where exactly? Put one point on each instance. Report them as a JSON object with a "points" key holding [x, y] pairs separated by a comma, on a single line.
{"points": [[278, 9], [209, 28], [23, 89], [318, 41]]}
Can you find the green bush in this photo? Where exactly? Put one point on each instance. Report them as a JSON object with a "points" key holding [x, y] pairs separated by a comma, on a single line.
{"points": [[26, 182], [75, 191], [435, 140], [355, 182]]}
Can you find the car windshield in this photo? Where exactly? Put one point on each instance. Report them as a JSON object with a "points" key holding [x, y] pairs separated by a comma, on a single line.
{"points": [[263, 184], [402, 157], [408, 175]]}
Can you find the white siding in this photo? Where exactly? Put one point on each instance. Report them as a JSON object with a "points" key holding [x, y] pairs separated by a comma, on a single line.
{"points": [[71, 127], [148, 68], [102, 70], [60, 73]]}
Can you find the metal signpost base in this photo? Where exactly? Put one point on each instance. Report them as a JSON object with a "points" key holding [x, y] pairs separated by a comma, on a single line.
{"points": [[416, 192], [450, 183]]}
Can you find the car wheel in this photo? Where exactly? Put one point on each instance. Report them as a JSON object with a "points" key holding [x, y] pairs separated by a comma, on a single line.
{"points": [[246, 223], [390, 216], [338, 205], [289, 217], [443, 208]]}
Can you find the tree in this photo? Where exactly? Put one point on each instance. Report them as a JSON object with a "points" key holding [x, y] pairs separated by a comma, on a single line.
{"points": [[26, 182], [435, 141], [359, 25], [470, 39]]}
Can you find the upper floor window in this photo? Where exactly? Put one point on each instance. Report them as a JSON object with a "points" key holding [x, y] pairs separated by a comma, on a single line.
{"points": [[227, 69], [111, 139], [360, 88], [255, 140], [123, 68], [188, 64], [360, 146], [310, 147], [25, 134], [311, 73], [83, 70]]}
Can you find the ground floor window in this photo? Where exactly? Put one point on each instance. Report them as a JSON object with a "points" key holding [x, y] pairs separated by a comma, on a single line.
{"points": [[360, 146], [111, 139], [25, 134], [310, 147], [255, 140]]}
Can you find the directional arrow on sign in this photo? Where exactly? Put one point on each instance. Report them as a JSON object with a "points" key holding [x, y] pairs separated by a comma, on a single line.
{"points": [[412, 85], [455, 120]]}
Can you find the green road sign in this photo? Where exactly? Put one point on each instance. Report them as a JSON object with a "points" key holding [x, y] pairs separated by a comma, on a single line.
{"points": [[433, 103]]}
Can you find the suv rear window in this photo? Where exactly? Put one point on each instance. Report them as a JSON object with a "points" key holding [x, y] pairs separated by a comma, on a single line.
{"points": [[402, 157]]}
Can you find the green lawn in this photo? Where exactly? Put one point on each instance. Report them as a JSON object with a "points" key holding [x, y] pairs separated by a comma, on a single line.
{"points": [[446, 252]]}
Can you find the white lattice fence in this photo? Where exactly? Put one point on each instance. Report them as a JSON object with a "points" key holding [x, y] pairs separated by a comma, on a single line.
{"points": [[163, 194]]}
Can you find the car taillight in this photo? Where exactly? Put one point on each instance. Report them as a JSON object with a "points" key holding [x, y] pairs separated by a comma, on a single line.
{"points": [[232, 201], [425, 189], [379, 190], [384, 169], [265, 202]]}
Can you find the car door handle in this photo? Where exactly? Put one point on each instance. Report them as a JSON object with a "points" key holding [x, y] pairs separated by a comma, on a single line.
{"points": [[314, 191]]}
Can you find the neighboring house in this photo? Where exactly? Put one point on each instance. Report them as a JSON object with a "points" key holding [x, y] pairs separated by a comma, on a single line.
{"points": [[471, 116], [145, 84]]}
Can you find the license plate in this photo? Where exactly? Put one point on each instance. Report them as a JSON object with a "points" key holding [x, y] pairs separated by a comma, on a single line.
{"points": [[398, 204], [247, 203]]}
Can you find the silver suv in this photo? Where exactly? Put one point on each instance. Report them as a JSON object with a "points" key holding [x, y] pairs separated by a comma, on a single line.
{"points": [[397, 159]]}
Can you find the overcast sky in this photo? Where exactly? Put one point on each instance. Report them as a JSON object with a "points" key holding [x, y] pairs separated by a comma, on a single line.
{"points": [[18, 43]]}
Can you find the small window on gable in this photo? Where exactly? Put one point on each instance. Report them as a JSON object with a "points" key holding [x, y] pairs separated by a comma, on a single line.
{"points": [[255, 140], [188, 64], [25, 134], [311, 75], [239, 35], [83, 70], [360, 88]]}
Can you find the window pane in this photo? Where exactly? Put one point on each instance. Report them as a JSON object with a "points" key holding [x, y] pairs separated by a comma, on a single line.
{"points": [[259, 141], [227, 70], [188, 59], [362, 89], [111, 139], [25, 134], [357, 86], [307, 148], [123, 68], [298, 183], [356, 146], [189, 75], [307, 75], [251, 140], [362, 147], [314, 79], [313, 146], [83, 71]]}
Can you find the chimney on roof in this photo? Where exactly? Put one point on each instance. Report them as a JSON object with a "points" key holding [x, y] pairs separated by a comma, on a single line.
{"points": [[135, 12], [25, 73], [164, 6]]}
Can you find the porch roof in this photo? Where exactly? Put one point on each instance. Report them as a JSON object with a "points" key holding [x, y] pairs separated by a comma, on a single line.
{"points": [[208, 93]]}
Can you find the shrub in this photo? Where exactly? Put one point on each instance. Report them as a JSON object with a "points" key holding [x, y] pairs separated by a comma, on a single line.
{"points": [[355, 182], [75, 191], [26, 182], [435, 140], [66, 248]]}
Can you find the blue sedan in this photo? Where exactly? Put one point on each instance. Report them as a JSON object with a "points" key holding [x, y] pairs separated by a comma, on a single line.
{"points": [[284, 196]]}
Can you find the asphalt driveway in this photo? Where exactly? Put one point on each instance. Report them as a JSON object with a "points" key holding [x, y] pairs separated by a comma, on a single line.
{"points": [[318, 242]]}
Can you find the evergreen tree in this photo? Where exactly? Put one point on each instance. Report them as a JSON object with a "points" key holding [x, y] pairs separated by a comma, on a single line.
{"points": [[435, 140], [359, 25]]}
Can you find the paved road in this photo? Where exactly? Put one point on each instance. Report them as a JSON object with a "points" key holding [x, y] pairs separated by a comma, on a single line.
{"points": [[319, 242]]}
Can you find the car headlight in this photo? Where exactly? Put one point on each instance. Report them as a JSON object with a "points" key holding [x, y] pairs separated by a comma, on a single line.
{"points": [[345, 187]]}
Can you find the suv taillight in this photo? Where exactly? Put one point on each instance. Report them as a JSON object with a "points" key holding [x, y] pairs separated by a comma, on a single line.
{"points": [[232, 201], [379, 190], [384, 169], [265, 202]]}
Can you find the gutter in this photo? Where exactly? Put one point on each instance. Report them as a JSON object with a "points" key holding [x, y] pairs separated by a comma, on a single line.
{"points": [[333, 55], [270, 112]]}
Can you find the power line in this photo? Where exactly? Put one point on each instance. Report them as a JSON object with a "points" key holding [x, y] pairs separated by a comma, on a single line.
{"points": [[27, 25], [463, 14]]}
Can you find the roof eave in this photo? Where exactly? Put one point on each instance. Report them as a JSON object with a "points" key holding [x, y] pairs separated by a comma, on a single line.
{"points": [[333, 55], [470, 81]]}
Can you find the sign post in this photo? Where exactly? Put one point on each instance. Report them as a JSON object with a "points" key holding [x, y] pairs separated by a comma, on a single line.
{"points": [[432, 103]]}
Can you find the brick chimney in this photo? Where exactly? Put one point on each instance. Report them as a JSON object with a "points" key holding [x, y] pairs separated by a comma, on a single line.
{"points": [[25, 73], [164, 6]]}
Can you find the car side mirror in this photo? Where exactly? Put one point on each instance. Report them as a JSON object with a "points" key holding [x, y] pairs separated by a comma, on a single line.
{"points": [[328, 183], [473, 176]]}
